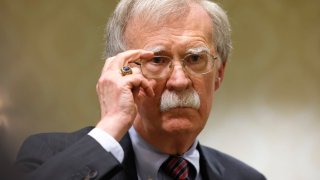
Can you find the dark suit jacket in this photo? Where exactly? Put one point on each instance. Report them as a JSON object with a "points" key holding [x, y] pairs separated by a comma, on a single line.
{"points": [[78, 156]]}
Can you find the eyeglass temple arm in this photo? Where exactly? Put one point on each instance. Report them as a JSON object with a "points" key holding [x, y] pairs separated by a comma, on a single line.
{"points": [[137, 63]]}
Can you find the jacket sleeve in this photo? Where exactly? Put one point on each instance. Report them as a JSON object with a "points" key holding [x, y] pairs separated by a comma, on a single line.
{"points": [[43, 158]]}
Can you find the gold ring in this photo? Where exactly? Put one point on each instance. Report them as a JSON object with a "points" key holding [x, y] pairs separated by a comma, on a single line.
{"points": [[126, 70]]}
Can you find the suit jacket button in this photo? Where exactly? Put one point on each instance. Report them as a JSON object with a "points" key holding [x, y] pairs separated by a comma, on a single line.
{"points": [[92, 174]]}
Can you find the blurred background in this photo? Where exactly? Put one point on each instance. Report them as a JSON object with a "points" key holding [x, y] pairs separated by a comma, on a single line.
{"points": [[266, 113]]}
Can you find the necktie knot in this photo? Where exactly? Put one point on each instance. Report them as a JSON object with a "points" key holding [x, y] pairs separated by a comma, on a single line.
{"points": [[176, 167]]}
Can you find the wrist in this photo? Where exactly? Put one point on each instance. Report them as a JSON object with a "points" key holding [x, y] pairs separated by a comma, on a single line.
{"points": [[115, 128]]}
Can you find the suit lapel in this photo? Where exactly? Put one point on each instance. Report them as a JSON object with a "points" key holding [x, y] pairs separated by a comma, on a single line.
{"points": [[210, 167]]}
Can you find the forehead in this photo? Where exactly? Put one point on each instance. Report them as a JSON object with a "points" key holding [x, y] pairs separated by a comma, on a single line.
{"points": [[191, 28]]}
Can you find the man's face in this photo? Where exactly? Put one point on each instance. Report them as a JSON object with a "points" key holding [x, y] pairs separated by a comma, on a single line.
{"points": [[174, 38]]}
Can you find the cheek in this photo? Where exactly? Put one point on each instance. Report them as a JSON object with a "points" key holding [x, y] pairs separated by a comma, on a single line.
{"points": [[206, 92], [209, 86], [158, 87]]}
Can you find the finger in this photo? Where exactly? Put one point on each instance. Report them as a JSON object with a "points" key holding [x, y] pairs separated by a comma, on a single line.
{"points": [[137, 81], [136, 70], [107, 63], [126, 57], [147, 87]]}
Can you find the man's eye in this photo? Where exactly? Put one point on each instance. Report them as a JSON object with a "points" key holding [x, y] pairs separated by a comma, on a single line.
{"points": [[159, 60], [194, 58]]}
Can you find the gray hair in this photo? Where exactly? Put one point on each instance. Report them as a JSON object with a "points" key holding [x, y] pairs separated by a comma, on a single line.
{"points": [[158, 9]]}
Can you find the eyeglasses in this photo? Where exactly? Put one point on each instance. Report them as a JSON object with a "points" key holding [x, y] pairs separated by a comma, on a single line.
{"points": [[162, 66]]}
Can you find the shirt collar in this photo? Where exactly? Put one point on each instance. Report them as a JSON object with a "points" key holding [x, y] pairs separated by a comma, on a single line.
{"points": [[149, 159]]}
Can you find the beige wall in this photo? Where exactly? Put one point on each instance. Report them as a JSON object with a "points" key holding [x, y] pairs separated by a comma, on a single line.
{"points": [[266, 113]]}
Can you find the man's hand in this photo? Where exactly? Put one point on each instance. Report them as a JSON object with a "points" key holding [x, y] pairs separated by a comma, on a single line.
{"points": [[117, 93]]}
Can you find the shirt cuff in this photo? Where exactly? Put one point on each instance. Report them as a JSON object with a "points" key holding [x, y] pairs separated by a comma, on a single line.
{"points": [[108, 143]]}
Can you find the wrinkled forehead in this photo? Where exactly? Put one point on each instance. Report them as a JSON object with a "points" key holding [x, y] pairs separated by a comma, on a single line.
{"points": [[189, 20], [159, 11]]}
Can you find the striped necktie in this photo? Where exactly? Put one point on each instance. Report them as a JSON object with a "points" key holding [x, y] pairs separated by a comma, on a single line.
{"points": [[176, 167]]}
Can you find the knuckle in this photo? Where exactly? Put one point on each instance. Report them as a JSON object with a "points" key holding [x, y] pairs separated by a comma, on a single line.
{"points": [[103, 79], [109, 80], [119, 56], [137, 77], [109, 59]]}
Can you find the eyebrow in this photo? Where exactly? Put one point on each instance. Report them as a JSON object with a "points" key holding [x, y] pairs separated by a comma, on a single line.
{"points": [[195, 50], [156, 49], [198, 50]]}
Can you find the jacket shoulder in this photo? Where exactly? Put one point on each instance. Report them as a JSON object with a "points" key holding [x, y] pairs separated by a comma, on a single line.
{"points": [[229, 167], [57, 139], [45, 145]]}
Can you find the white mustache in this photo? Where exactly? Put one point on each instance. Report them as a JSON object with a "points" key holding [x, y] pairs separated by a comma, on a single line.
{"points": [[173, 99]]}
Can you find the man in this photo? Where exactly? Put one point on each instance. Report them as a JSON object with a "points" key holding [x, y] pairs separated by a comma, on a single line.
{"points": [[166, 59]]}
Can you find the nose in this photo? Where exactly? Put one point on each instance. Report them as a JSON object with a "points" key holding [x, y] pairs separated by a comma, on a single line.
{"points": [[178, 80]]}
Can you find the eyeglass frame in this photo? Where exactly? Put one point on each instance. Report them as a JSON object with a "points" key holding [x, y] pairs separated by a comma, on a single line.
{"points": [[171, 66]]}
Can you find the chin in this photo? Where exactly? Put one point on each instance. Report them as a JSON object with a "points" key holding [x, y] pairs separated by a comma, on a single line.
{"points": [[182, 121]]}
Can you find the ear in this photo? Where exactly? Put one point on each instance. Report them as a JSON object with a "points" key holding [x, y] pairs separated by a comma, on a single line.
{"points": [[220, 75]]}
